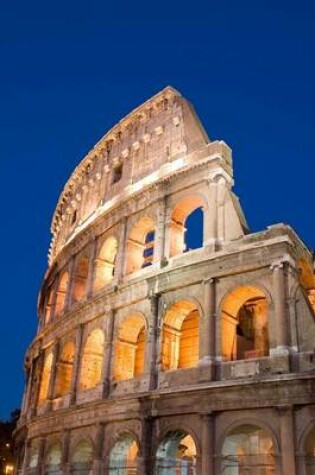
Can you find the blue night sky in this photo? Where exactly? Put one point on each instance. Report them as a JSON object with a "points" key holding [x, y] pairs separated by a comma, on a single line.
{"points": [[71, 70]]}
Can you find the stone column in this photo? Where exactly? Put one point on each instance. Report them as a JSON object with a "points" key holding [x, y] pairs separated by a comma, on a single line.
{"points": [[145, 462], [41, 456], [26, 459], [207, 334], [70, 284], [120, 261], [108, 353], [287, 439], [65, 462], [159, 245], [76, 365], [152, 353], [207, 443], [90, 279], [97, 467], [53, 374], [278, 281]]}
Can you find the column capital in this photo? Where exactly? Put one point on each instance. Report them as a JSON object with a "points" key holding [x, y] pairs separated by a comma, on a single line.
{"points": [[283, 261], [209, 280]]}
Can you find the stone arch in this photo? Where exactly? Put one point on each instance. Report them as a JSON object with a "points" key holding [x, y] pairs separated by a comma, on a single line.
{"points": [[82, 457], [53, 459], [180, 340], [307, 448], [244, 323], [45, 377], [33, 461], [140, 244], [130, 347], [65, 369], [105, 263], [92, 360], [61, 293], [176, 453], [123, 454], [247, 446], [48, 304], [80, 277], [180, 213]]}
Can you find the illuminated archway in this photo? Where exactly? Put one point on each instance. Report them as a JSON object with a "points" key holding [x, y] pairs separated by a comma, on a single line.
{"points": [[193, 204], [61, 293], [80, 277], [244, 324], [105, 263], [92, 359], [48, 305], [82, 458], [64, 370], [180, 344], [176, 454], [53, 460], [247, 449], [123, 457], [45, 378], [130, 348], [140, 245]]}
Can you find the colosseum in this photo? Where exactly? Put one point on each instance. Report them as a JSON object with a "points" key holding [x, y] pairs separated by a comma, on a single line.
{"points": [[156, 356]]}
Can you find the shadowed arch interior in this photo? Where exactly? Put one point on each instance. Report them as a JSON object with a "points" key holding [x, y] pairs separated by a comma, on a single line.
{"points": [[309, 450], [244, 324], [247, 449], [130, 348], [82, 458], [180, 344], [53, 459], [176, 454], [61, 293], [123, 457]]}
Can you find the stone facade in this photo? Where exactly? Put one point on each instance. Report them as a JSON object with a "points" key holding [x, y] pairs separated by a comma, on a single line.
{"points": [[154, 358]]}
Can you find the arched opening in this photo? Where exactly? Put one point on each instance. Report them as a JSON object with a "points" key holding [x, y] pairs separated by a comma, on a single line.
{"points": [[45, 378], [123, 458], [64, 370], [82, 458], [186, 226], [80, 277], [140, 245], [176, 454], [180, 344], [48, 305], [105, 263], [247, 450], [309, 450], [307, 280], [244, 324], [61, 293], [92, 359], [130, 348], [53, 460], [33, 460]]}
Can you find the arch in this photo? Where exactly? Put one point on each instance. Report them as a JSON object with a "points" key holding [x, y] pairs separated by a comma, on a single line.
{"points": [[244, 324], [130, 348], [33, 459], [64, 370], [92, 360], [45, 378], [80, 277], [140, 245], [176, 454], [61, 293], [180, 218], [180, 341], [82, 458], [105, 263], [123, 457], [247, 448], [309, 450], [53, 459]]}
